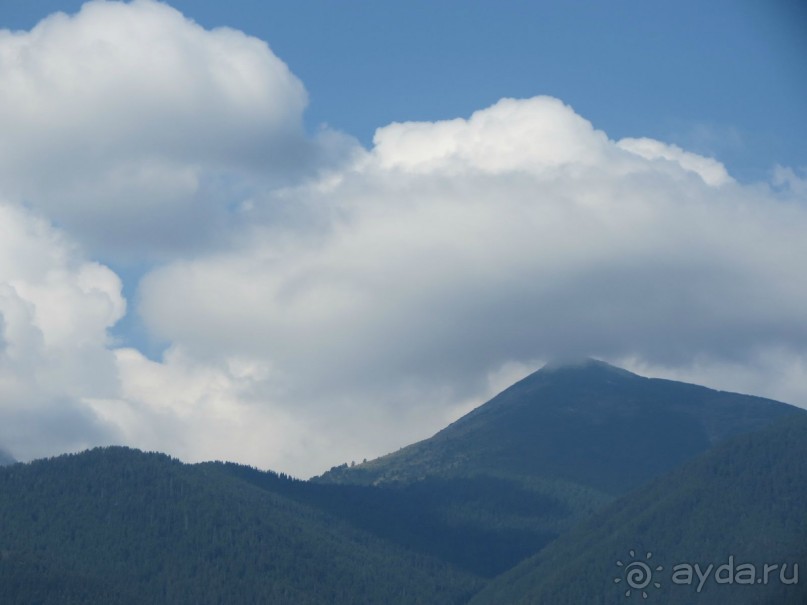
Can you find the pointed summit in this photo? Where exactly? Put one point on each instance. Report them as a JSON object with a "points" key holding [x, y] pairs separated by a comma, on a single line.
{"points": [[586, 364], [584, 422]]}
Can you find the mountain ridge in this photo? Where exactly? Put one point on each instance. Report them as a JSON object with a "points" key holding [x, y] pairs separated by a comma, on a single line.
{"points": [[121, 523], [431, 523], [744, 499], [601, 405], [576, 436]]}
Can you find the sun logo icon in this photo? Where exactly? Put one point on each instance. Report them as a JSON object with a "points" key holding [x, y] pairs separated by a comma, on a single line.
{"points": [[638, 575]]}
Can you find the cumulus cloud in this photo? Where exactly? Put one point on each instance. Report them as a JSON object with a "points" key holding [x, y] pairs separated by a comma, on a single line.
{"points": [[709, 169], [136, 129], [533, 134], [55, 310], [318, 311], [790, 181], [544, 257], [239, 409], [448, 256]]}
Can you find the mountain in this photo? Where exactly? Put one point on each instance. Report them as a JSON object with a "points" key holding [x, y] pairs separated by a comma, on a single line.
{"points": [[590, 424], [547, 453], [509, 490], [456, 521], [740, 506], [115, 525]]}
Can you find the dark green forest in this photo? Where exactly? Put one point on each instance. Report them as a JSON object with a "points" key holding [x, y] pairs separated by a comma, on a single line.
{"points": [[531, 498], [589, 424], [118, 525], [747, 498]]}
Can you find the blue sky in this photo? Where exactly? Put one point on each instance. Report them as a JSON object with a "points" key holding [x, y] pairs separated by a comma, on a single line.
{"points": [[294, 234]]}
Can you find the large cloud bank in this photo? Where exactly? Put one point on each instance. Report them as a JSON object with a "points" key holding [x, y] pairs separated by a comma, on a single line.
{"points": [[129, 124], [55, 309], [351, 306]]}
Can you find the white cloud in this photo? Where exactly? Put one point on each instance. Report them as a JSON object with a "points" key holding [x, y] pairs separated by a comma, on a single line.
{"points": [[236, 409], [791, 181], [445, 259], [135, 128], [199, 410], [709, 169], [533, 135], [587, 258], [55, 310], [337, 316]]}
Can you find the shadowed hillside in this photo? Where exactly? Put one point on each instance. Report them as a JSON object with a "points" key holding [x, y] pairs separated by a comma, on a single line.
{"points": [[590, 424], [514, 481], [117, 525], [547, 453], [745, 499]]}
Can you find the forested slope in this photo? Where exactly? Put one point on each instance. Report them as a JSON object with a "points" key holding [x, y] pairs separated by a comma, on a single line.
{"points": [[746, 499], [117, 525]]}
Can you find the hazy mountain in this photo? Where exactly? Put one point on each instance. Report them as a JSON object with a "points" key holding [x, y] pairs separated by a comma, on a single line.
{"points": [[115, 525], [547, 453], [482, 525], [746, 499], [590, 424], [428, 523]]}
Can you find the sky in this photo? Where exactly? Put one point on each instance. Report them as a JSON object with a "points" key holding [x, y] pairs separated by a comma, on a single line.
{"points": [[298, 234]]}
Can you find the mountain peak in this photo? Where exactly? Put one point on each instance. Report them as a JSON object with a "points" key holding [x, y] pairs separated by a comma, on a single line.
{"points": [[581, 421], [583, 364], [583, 373]]}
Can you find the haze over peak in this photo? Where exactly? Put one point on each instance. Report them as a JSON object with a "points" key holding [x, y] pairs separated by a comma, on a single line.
{"points": [[582, 364], [588, 422]]}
